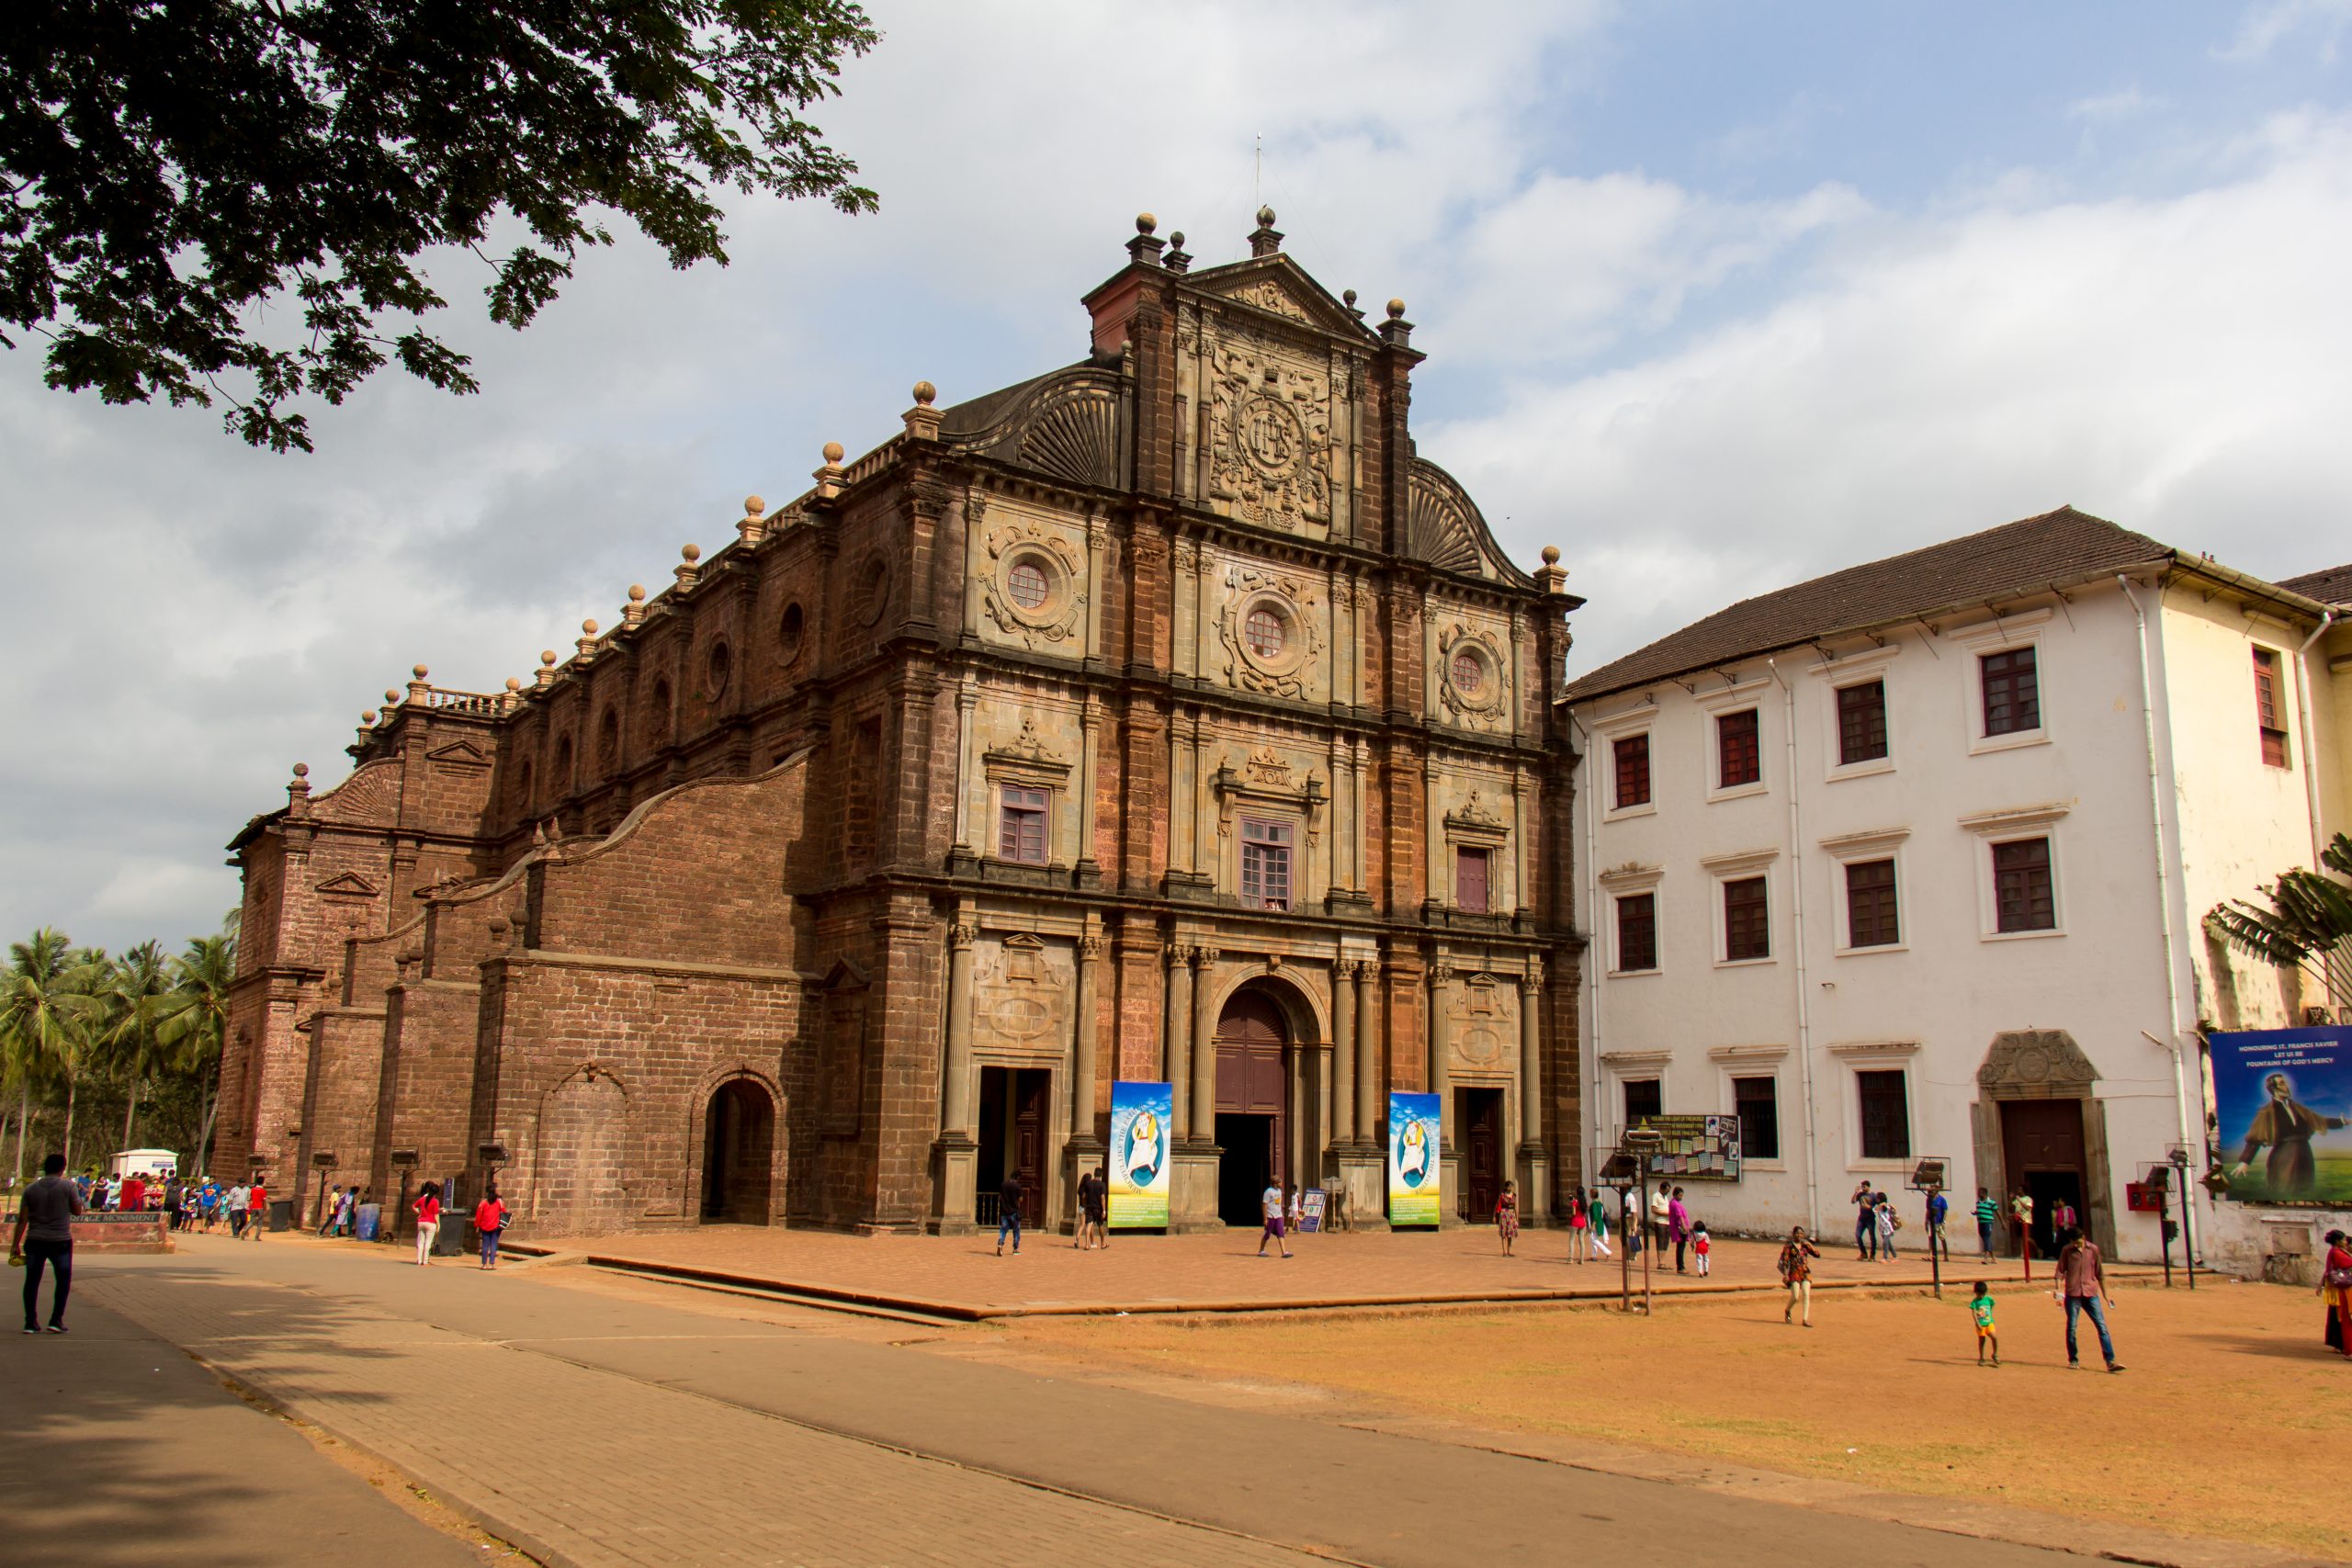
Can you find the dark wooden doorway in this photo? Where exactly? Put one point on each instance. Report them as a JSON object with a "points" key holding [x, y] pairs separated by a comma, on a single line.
{"points": [[1015, 1105], [2042, 1150], [1253, 1103], [1478, 1113], [738, 1145]]}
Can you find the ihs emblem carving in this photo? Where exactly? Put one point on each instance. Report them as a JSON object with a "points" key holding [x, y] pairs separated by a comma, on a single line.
{"points": [[1269, 435]]}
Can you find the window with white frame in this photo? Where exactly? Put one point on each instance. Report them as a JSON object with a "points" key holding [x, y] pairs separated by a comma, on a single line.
{"points": [[2020, 892], [1756, 1100], [1883, 1102], [1637, 932]]}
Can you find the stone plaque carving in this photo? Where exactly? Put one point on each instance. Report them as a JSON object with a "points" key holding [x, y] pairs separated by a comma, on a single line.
{"points": [[1270, 435]]}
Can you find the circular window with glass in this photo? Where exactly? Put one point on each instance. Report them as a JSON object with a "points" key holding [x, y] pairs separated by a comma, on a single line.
{"points": [[1469, 673], [1265, 631], [1028, 584]]}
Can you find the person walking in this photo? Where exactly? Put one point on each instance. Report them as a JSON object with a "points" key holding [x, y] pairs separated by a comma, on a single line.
{"points": [[257, 1207], [1700, 1245], [1270, 1205], [2335, 1289], [2082, 1285], [1507, 1218], [1579, 1229], [1634, 1226], [346, 1219], [1085, 1211], [490, 1220], [2021, 1216], [1980, 1307], [1099, 1212], [1889, 1221], [2063, 1218], [1939, 1206], [43, 1239], [1865, 1203], [1595, 1210], [172, 1195], [428, 1209], [236, 1202], [1678, 1226], [1988, 1214], [1008, 1212], [1660, 1217], [1796, 1274]]}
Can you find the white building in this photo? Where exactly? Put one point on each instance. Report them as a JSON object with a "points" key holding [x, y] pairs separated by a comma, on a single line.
{"points": [[1912, 859]]}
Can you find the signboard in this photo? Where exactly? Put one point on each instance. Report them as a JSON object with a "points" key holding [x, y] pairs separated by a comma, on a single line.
{"points": [[2284, 1096], [1695, 1148], [1310, 1209], [1142, 1128], [1416, 1164]]}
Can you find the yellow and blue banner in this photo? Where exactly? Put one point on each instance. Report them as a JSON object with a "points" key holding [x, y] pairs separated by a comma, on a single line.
{"points": [[1143, 1127], [1416, 1164]]}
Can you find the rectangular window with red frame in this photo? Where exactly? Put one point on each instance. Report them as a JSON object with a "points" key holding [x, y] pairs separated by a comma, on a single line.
{"points": [[1740, 757], [1632, 756], [1265, 865], [2269, 713], [1021, 825], [1861, 723], [1637, 932], [2012, 681], [1870, 918], [2024, 897], [1747, 929]]}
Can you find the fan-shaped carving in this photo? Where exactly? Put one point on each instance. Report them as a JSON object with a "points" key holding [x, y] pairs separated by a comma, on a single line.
{"points": [[1074, 434], [1438, 524]]}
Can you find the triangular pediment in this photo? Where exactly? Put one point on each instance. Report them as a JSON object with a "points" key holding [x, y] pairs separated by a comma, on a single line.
{"points": [[846, 975], [463, 754], [350, 884], [1280, 287]]}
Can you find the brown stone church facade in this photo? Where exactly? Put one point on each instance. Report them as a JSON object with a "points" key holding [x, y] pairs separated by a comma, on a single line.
{"points": [[1164, 716]]}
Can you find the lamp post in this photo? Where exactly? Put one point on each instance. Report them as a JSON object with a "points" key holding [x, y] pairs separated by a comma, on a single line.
{"points": [[1639, 1144]]}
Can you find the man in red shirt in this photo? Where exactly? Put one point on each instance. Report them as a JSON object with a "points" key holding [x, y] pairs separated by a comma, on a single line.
{"points": [[256, 1209], [2081, 1285]]}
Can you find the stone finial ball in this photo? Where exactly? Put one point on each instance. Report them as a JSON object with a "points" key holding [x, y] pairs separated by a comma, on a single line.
{"points": [[588, 626], [637, 594], [514, 682], [1265, 217], [1348, 298], [390, 695], [420, 671], [925, 394], [368, 716], [1146, 222], [1396, 309], [754, 505], [547, 656], [1551, 554], [301, 770], [691, 552], [1177, 239], [833, 451]]}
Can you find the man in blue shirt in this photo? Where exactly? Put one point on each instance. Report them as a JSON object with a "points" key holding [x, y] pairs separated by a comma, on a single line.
{"points": [[1937, 1207]]}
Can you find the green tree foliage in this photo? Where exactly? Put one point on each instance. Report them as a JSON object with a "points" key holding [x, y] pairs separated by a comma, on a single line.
{"points": [[47, 1015], [171, 169], [2306, 924]]}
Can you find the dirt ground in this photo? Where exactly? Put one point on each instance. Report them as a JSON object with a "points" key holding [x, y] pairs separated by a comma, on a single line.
{"points": [[2230, 1420]]}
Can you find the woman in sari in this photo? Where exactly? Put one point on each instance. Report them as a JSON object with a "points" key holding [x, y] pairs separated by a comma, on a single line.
{"points": [[2335, 1289]]}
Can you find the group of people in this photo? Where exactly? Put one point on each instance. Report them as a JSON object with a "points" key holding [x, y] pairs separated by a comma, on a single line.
{"points": [[1669, 1224]]}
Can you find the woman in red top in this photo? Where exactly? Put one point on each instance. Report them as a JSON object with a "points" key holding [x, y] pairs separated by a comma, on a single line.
{"points": [[256, 1209], [427, 1208], [2335, 1287], [490, 1218]]}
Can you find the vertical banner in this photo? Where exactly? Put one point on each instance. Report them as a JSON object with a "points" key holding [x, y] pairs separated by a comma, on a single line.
{"points": [[1142, 1130], [2284, 1100], [1414, 1163]]}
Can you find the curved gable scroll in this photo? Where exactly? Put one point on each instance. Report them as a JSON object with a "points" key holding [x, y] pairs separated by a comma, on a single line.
{"points": [[1445, 527], [1066, 425]]}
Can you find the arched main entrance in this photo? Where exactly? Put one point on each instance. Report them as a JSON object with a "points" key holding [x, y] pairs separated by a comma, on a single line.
{"points": [[738, 1145], [1252, 1102]]}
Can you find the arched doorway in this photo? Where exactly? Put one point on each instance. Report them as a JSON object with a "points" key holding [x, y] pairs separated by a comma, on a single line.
{"points": [[1252, 1102], [739, 1142]]}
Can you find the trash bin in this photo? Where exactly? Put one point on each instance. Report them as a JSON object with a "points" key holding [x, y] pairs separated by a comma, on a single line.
{"points": [[282, 1214], [370, 1216]]}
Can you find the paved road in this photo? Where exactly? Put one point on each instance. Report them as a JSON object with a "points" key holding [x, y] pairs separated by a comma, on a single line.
{"points": [[123, 1453], [613, 1431]]}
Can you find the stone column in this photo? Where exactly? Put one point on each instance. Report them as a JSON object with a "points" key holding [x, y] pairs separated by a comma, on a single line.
{"points": [[1363, 1162], [1203, 1129], [1084, 1044], [1090, 724], [1176, 1060], [1368, 1075], [1535, 1159], [1441, 1081], [966, 696], [958, 1148], [1343, 1053]]}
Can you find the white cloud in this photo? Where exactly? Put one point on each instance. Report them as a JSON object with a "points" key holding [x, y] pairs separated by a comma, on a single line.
{"points": [[2169, 364], [2268, 24], [2121, 104]]}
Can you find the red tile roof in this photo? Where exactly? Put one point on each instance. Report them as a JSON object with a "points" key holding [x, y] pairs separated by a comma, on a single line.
{"points": [[2330, 586]]}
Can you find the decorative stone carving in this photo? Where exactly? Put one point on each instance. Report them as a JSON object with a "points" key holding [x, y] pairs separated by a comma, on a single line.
{"points": [[1477, 691], [1270, 435], [1021, 993], [1269, 295], [1265, 768], [1282, 673], [1026, 758], [1055, 617]]}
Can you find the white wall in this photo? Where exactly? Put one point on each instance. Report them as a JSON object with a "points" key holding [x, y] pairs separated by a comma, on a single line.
{"points": [[1931, 1006]]}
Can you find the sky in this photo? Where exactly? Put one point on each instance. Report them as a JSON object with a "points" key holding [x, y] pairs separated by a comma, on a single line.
{"points": [[1717, 296]]}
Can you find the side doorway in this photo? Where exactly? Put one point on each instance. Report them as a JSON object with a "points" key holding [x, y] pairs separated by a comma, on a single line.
{"points": [[2042, 1145], [1478, 1112]]}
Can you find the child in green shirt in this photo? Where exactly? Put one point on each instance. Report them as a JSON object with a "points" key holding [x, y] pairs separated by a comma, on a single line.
{"points": [[1980, 1307]]}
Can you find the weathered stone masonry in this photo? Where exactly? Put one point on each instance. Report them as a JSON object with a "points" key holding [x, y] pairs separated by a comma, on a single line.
{"points": [[1162, 716]]}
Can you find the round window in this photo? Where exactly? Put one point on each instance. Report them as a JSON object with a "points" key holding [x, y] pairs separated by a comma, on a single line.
{"points": [[1469, 674], [1266, 632], [720, 666], [874, 591], [789, 632], [1026, 582]]}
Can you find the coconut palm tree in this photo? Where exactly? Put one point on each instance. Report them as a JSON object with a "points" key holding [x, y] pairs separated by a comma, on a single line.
{"points": [[137, 988], [193, 1024], [2307, 924], [46, 1014]]}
